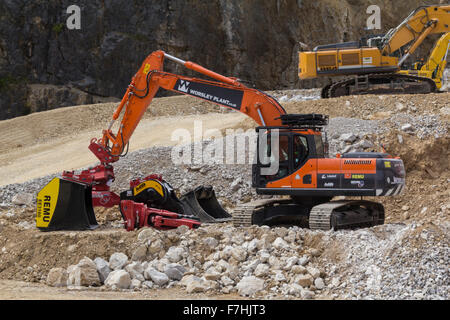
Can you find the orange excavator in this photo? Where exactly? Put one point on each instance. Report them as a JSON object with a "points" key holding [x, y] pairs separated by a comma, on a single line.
{"points": [[292, 161]]}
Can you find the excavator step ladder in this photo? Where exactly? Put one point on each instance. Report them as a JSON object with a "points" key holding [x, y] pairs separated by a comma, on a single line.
{"points": [[362, 82]]}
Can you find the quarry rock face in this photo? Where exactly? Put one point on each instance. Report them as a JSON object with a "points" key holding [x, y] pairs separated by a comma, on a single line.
{"points": [[46, 65]]}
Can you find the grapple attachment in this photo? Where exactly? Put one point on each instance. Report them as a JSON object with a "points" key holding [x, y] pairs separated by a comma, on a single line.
{"points": [[138, 215], [65, 205], [202, 202], [157, 193]]}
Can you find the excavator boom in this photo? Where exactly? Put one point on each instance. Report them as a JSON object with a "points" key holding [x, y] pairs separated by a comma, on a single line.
{"points": [[435, 66], [227, 92], [423, 20]]}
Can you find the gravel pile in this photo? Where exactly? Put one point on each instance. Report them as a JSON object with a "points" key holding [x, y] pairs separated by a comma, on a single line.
{"points": [[422, 126], [351, 135], [296, 95], [386, 262], [393, 261]]}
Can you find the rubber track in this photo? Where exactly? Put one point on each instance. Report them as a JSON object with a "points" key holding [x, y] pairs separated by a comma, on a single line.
{"points": [[242, 214], [320, 215], [328, 90]]}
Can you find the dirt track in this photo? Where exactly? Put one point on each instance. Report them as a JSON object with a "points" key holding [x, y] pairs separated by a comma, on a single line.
{"points": [[20, 290], [70, 152]]}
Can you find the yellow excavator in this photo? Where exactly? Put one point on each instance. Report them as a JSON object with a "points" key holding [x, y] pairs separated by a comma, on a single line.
{"points": [[375, 63]]}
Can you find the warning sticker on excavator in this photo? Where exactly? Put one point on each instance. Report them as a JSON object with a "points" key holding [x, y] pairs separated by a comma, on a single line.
{"points": [[46, 203], [367, 60], [146, 68], [153, 184]]}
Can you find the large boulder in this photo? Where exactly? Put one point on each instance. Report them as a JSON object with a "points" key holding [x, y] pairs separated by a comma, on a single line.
{"points": [[194, 284], [22, 199], [83, 274], [118, 279], [174, 271], [102, 268], [280, 244], [57, 277], [250, 285], [140, 253], [118, 260], [136, 270], [239, 253], [157, 277], [175, 254]]}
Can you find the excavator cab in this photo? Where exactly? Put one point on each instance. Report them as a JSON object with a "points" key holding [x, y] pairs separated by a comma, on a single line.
{"points": [[291, 152], [281, 151]]}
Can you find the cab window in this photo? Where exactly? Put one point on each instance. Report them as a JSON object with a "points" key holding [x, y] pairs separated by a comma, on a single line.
{"points": [[320, 150], [301, 150]]}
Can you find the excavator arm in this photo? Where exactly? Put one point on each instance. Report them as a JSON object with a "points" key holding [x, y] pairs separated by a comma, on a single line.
{"points": [[91, 187], [434, 67], [225, 91], [438, 57], [415, 29]]}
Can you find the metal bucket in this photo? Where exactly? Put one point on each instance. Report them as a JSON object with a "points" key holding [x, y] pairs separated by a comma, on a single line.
{"points": [[202, 202], [65, 205]]}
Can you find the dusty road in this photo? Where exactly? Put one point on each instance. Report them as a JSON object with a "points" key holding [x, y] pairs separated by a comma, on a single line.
{"points": [[21, 290], [70, 152]]}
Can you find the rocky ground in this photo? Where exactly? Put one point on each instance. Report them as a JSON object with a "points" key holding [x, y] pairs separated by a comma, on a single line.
{"points": [[407, 258]]}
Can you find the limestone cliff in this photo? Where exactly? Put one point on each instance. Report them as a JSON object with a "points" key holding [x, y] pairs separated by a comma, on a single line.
{"points": [[254, 40]]}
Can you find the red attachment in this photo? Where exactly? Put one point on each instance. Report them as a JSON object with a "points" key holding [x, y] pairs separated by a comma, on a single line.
{"points": [[136, 182], [138, 215], [98, 176], [101, 153], [163, 223], [105, 199]]}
